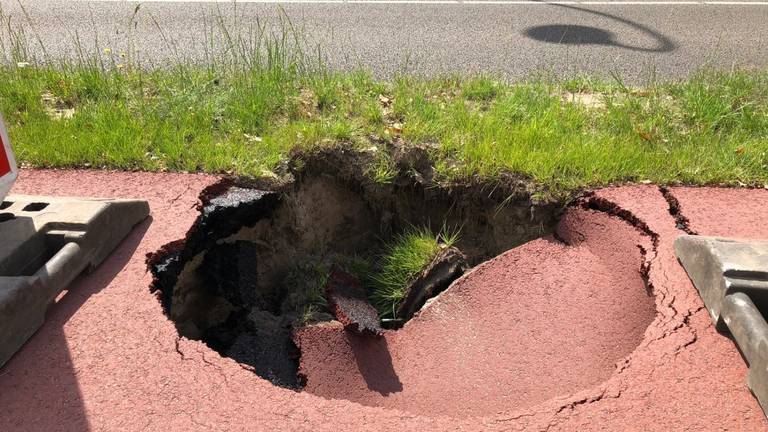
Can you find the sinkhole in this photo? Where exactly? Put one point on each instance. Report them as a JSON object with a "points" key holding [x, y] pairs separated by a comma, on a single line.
{"points": [[286, 279]]}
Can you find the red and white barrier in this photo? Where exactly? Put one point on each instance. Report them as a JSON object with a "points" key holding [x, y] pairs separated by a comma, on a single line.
{"points": [[8, 170]]}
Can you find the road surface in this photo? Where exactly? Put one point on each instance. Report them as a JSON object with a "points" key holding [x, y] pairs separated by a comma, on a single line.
{"points": [[637, 39]]}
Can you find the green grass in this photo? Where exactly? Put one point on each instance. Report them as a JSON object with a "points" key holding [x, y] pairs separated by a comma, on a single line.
{"points": [[401, 262], [711, 128]]}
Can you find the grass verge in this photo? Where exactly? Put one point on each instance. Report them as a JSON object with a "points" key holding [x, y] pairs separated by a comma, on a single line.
{"points": [[709, 129]]}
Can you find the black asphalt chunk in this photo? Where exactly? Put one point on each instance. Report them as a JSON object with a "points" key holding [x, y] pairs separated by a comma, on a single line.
{"points": [[227, 213], [348, 302], [447, 266]]}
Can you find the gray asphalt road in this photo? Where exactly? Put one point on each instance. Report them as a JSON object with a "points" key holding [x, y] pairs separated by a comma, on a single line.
{"points": [[511, 39]]}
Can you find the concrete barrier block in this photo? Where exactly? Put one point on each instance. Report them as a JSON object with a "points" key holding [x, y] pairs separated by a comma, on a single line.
{"points": [[732, 279], [46, 243]]}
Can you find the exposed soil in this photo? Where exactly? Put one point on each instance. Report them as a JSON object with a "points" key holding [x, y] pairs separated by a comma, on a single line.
{"points": [[250, 271]]}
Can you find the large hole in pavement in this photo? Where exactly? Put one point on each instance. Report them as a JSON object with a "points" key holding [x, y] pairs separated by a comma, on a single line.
{"points": [[247, 278]]}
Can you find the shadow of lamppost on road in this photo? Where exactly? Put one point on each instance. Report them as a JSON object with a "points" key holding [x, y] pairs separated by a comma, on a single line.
{"points": [[572, 34]]}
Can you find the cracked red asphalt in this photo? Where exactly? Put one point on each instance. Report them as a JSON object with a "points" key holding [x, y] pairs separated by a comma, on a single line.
{"points": [[108, 359]]}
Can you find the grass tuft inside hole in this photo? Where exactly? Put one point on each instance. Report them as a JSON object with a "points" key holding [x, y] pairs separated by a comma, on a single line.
{"points": [[402, 261]]}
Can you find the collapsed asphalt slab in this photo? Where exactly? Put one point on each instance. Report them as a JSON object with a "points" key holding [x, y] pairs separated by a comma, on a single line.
{"points": [[541, 320], [348, 302], [108, 359]]}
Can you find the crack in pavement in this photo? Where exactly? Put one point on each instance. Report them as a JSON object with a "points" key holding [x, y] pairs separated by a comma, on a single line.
{"points": [[681, 222], [648, 269]]}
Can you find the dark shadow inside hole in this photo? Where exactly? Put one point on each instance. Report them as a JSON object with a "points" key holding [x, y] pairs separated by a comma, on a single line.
{"points": [[375, 363], [6, 217], [5, 204]]}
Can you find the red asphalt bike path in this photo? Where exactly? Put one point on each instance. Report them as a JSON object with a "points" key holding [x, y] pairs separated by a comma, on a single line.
{"points": [[561, 333]]}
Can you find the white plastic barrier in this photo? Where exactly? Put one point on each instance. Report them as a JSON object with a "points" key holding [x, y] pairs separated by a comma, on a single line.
{"points": [[8, 170]]}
